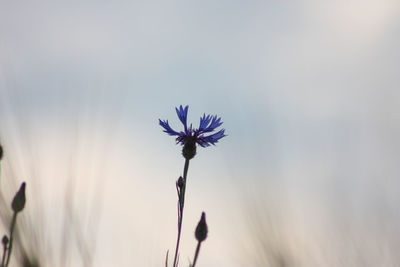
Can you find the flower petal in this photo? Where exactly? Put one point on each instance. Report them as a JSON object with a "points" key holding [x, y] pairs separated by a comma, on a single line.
{"points": [[167, 128], [204, 121], [209, 124], [205, 141], [182, 115]]}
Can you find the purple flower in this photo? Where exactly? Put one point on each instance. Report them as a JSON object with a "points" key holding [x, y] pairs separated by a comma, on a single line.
{"points": [[207, 125]]}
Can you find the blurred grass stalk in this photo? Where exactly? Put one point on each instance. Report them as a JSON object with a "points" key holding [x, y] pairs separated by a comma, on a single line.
{"points": [[29, 237]]}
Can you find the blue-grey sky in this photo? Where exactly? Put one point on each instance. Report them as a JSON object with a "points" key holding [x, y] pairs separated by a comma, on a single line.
{"points": [[308, 92]]}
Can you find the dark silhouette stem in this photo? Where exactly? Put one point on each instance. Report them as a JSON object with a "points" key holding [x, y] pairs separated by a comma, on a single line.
{"points": [[4, 254], [180, 211], [13, 222], [196, 254]]}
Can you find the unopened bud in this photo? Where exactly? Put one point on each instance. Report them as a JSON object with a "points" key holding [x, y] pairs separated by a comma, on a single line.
{"points": [[189, 149], [180, 182], [201, 229], [5, 240], [18, 202]]}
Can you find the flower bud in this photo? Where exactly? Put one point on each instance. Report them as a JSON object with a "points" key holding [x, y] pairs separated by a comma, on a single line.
{"points": [[180, 182], [189, 149], [18, 202], [201, 229], [5, 240]]}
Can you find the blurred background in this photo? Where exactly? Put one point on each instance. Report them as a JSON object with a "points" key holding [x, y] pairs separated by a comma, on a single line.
{"points": [[308, 91]]}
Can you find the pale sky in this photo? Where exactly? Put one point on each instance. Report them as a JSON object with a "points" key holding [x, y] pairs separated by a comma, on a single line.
{"points": [[308, 92]]}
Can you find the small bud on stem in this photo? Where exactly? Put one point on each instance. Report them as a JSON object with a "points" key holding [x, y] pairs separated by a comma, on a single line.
{"points": [[201, 235], [18, 202], [180, 182], [5, 240], [201, 229]]}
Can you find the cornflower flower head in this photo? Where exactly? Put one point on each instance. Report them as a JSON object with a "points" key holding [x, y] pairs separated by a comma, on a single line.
{"points": [[190, 136]]}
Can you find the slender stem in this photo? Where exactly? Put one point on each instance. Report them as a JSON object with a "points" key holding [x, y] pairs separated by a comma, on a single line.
{"points": [[185, 170], [180, 213], [177, 243], [196, 254], [14, 220], [4, 254]]}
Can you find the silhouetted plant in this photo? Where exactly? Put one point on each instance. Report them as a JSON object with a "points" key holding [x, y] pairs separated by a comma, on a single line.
{"points": [[189, 138], [17, 206], [29, 246]]}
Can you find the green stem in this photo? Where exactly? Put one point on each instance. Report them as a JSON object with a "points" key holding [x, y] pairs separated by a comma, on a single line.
{"points": [[180, 215], [13, 222], [196, 254]]}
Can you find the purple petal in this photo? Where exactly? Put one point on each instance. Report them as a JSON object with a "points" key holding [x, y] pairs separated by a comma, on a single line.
{"points": [[204, 121], [205, 141], [209, 124], [167, 128], [182, 115]]}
